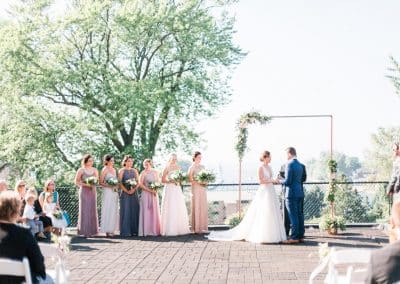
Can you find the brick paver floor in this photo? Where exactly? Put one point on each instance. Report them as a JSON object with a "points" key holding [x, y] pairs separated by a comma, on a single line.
{"points": [[194, 259]]}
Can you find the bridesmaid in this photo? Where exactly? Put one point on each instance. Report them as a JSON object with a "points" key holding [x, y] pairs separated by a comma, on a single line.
{"points": [[87, 218], [199, 198], [149, 222], [129, 200], [109, 206], [174, 214]]}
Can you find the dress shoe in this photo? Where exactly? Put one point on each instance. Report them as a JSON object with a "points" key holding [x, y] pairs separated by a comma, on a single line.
{"points": [[290, 242], [301, 240]]}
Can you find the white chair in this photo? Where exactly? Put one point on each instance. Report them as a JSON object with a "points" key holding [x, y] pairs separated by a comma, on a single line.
{"points": [[347, 257], [59, 274], [16, 268]]}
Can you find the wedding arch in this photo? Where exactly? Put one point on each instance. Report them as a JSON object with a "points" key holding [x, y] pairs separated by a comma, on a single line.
{"points": [[252, 117]]}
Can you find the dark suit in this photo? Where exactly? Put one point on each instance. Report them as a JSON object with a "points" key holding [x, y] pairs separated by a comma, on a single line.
{"points": [[384, 266], [294, 176]]}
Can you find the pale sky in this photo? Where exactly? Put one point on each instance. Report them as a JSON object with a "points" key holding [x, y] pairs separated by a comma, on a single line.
{"points": [[307, 57]]}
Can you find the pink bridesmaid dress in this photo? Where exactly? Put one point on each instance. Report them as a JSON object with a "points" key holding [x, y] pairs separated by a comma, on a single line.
{"points": [[149, 217]]}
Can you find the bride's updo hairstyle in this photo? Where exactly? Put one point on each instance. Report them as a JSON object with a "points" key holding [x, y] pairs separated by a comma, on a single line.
{"points": [[197, 153], [264, 155], [172, 156]]}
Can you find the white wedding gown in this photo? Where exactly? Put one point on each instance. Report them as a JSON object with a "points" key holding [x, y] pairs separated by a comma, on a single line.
{"points": [[174, 215], [262, 222]]}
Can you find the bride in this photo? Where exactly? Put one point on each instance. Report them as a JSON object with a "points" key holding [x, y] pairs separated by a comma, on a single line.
{"points": [[263, 220]]}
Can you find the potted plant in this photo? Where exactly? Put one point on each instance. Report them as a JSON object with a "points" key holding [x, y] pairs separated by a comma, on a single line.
{"points": [[233, 220], [332, 224]]}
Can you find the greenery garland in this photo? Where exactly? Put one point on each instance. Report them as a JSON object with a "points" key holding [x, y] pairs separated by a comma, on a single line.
{"points": [[242, 127], [329, 221]]}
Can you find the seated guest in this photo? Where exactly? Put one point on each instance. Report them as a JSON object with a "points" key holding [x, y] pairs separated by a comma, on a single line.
{"points": [[3, 185], [32, 219], [54, 212], [20, 188], [46, 220], [17, 242], [384, 266]]}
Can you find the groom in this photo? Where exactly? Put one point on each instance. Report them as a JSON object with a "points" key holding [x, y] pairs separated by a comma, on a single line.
{"points": [[295, 175]]}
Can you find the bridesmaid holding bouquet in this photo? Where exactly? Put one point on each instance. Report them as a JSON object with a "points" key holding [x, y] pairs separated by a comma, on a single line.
{"points": [[86, 179], [199, 210], [149, 222], [129, 200]]}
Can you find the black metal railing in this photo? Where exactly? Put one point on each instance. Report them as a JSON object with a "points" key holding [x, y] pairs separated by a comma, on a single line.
{"points": [[358, 202]]}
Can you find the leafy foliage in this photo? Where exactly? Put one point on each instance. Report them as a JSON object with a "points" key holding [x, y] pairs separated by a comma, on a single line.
{"points": [[329, 223], [350, 204], [234, 220], [343, 164], [114, 76], [380, 156], [241, 127]]}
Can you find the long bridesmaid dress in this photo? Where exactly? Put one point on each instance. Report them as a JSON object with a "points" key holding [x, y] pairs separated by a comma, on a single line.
{"points": [[129, 208], [149, 222], [88, 221], [199, 204], [109, 209]]}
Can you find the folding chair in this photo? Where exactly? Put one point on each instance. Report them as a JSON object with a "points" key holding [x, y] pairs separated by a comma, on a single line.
{"points": [[12, 267], [347, 257]]}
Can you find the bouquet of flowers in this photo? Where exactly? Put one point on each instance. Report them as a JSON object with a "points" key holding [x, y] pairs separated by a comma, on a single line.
{"points": [[58, 214], [112, 181], [132, 182], [91, 180], [178, 177], [156, 186], [205, 177]]}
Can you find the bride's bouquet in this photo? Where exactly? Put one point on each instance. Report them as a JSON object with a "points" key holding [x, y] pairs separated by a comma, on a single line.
{"points": [[205, 177], [178, 177], [156, 186]]}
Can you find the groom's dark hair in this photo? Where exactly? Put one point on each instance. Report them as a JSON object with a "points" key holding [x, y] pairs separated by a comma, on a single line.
{"points": [[291, 151]]}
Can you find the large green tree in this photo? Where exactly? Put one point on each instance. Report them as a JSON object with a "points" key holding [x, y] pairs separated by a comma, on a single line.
{"points": [[379, 158], [118, 76], [318, 171]]}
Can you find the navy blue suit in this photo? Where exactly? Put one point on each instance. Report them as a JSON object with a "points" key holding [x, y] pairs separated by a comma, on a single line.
{"points": [[294, 178]]}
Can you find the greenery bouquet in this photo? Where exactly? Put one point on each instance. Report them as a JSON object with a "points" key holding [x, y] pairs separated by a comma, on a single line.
{"points": [[156, 186], [91, 180], [205, 177]]}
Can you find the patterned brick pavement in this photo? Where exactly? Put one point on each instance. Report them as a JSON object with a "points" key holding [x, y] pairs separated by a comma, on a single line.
{"points": [[194, 259]]}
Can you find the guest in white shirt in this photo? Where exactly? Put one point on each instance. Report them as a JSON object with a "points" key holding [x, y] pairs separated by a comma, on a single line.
{"points": [[32, 219]]}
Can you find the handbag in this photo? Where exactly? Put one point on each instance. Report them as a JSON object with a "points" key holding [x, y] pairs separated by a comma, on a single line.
{"points": [[67, 217]]}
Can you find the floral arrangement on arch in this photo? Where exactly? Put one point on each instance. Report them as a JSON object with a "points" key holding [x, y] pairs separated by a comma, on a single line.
{"points": [[242, 127]]}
